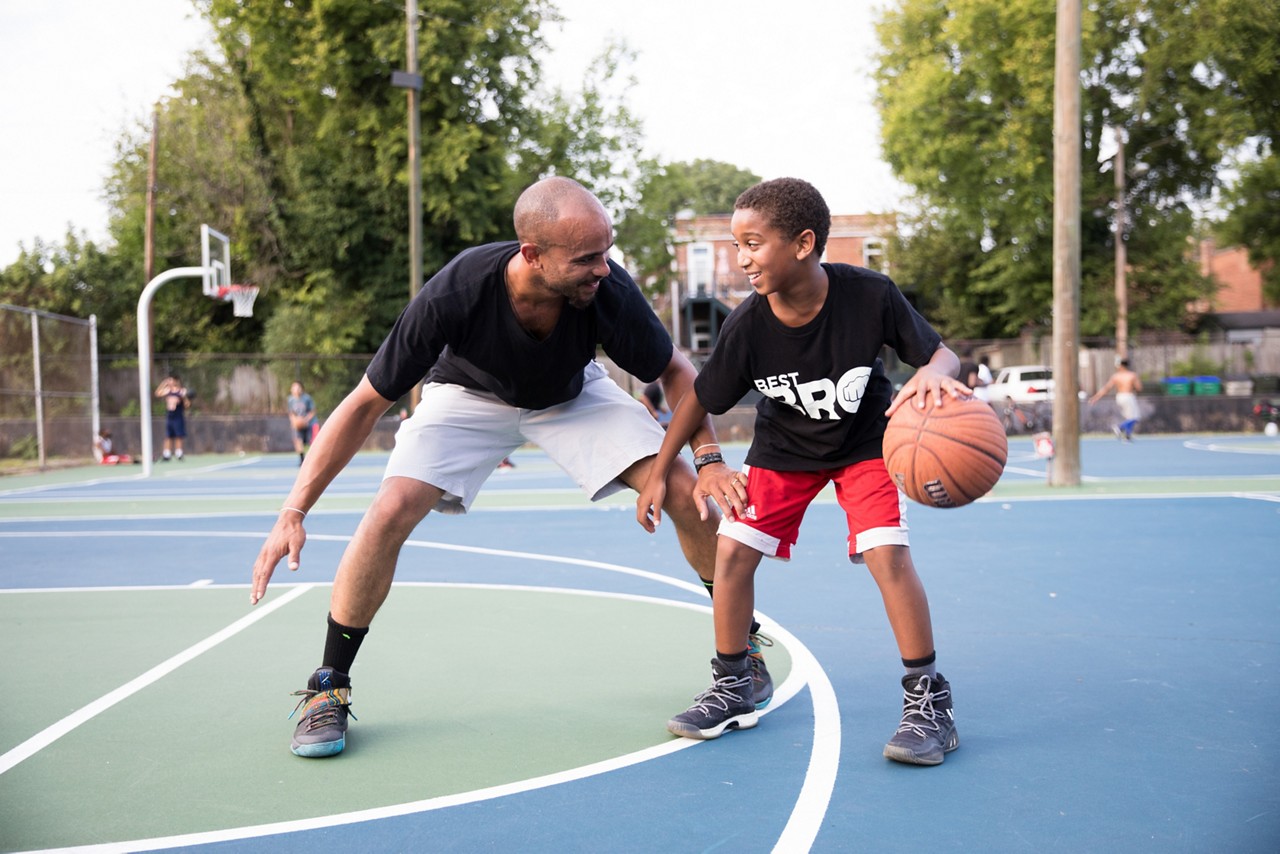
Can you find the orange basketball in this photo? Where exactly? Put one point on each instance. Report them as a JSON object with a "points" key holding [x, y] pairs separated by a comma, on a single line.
{"points": [[946, 456]]}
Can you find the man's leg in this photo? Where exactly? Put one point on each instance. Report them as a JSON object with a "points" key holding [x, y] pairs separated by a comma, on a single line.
{"points": [[369, 562], [362, 583], [697, 538]]}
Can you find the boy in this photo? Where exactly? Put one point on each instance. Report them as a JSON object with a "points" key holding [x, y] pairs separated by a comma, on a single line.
{"points": [[808, 339]]}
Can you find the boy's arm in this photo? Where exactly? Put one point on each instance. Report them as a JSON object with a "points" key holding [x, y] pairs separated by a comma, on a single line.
{"points": [[687, 419], [677, 381], [935, 377]]}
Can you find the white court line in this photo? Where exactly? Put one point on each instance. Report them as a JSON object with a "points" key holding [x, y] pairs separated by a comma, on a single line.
{"points": [[806, 816], [45, 737]]}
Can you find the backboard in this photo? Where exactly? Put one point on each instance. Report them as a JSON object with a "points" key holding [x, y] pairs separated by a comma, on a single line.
{"points": [[215, 258]]}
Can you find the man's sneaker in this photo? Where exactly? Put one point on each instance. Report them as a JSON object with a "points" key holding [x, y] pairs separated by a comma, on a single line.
{"points": [[727, 704], [761, 681], [928, 728], [325, 703]]}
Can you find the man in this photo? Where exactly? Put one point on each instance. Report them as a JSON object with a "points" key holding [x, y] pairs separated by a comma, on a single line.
{"points": [[506, 336], [303, 420], [1126, 384]]}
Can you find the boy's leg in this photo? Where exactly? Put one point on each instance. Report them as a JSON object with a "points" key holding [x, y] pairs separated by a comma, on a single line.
{"points": [[878, 535], [905, 602], [729, 703], [927, 730]]}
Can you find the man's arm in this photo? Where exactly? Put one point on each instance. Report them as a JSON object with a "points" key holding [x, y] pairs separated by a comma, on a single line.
{"points": [[677, 381], [344, 434]]}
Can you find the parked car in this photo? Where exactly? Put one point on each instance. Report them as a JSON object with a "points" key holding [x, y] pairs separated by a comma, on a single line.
{"points": [[1021, 384]]}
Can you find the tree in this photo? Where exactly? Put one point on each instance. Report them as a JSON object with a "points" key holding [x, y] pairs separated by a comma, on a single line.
{"points": [[699, 186], [965, 93], [75, 278]]}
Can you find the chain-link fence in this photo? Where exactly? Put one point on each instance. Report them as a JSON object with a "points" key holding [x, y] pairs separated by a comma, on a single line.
{"points": [[48, 385]]}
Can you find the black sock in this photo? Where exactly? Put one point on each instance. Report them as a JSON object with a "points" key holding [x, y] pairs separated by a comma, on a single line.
{"points": [[926, 666], [341, 645], [736, 664]]}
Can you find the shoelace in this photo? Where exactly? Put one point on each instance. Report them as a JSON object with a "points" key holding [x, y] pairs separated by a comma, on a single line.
{"points": [[921, 706], [754, 642], [720, 693], [324, 713]]}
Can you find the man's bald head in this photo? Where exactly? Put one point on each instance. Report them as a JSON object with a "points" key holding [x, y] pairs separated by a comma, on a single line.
{"points": [[544, 204]]}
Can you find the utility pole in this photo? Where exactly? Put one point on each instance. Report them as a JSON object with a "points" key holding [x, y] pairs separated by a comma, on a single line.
{"points": [[411, 81], [1064, 468], [149, 232], [149, 229], [1122, 261]]}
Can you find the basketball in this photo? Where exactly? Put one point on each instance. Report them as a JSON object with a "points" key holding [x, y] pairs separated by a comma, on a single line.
{"points": [[947, 456]]}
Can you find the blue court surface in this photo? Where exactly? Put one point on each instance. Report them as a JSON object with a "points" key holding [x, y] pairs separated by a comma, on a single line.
{"points": [[1113, 649]]}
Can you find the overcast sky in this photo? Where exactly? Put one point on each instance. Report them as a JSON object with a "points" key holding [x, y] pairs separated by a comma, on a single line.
{"points": [[776, 89]]}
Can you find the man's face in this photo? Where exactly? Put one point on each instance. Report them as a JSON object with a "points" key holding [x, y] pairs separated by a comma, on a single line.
{"points": [[578, 256]]}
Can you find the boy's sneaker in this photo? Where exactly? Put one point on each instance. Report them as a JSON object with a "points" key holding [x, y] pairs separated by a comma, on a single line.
{"points": [[928, 728], [727, 704], [761, 681], [322, 731]]}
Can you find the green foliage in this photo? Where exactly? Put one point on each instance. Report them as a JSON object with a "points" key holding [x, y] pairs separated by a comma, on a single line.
{"points": [[25, 448], [77, 279], [966, 97], [700, 186], [1253, 205], [1198, 364]]}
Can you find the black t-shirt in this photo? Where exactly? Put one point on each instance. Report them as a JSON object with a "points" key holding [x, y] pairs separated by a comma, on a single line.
{"points": [[824, 387], [461, 329]]}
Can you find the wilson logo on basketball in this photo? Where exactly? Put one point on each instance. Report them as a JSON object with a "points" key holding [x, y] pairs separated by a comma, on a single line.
{"points": [[938, 494]]}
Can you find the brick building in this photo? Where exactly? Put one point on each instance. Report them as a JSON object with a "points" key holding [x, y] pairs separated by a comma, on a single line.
{"points": [[709, 283]]}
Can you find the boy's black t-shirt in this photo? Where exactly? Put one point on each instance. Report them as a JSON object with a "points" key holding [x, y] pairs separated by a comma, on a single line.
{"points": [[824, 387], [461, 329]]}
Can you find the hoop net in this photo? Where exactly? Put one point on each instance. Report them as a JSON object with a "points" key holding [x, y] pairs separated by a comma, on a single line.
{"points": [[241, 297]]}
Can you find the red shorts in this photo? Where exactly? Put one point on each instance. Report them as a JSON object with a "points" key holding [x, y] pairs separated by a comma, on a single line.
{"points": [[776, 503]]}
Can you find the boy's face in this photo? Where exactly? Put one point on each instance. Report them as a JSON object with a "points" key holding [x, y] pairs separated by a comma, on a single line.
{"points": [[770, 259]]}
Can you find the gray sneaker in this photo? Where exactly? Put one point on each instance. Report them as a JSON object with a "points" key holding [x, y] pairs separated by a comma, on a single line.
{"points": [[928, 728], [727, 704], [325, 703], [761, 681]]}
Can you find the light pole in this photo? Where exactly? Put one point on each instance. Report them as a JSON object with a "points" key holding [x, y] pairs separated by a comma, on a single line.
{"points": [[411, 81], [1122, 261]]}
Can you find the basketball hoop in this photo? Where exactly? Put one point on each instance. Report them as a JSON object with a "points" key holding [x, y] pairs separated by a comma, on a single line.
{"points": [[241, 297]]}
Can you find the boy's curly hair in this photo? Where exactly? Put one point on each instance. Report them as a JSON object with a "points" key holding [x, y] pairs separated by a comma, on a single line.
{"points": [[790, 205]]}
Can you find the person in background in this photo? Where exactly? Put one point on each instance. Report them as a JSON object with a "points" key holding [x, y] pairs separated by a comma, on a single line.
{"points": [[176, 400], [302, 418], [656, 403], [104, 451], [1126, 384]]}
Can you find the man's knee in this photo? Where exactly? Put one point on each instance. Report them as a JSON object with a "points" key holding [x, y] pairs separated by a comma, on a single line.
{"points": [[400, 504]]}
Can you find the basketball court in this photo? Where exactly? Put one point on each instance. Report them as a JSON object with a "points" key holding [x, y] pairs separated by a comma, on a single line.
{"points": [[1113, 650]]}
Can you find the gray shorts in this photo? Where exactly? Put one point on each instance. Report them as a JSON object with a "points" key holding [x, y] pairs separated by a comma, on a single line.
{"points": [[457, 436]]}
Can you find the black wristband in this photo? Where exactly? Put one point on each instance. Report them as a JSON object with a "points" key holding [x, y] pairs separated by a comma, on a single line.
{"points": [[707, 459]]}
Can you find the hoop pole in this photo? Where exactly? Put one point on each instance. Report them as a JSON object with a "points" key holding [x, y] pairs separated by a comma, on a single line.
{"points": [[95, 392], [144, 350]]}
